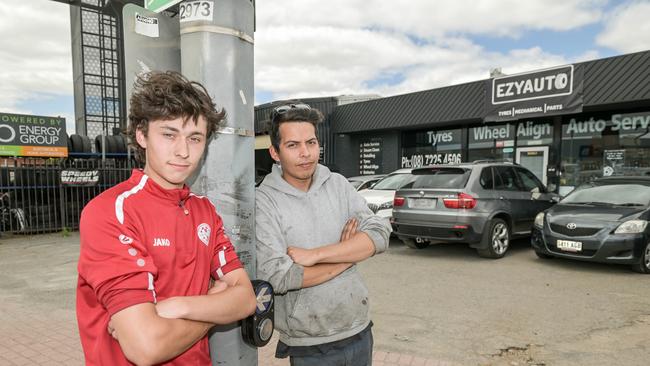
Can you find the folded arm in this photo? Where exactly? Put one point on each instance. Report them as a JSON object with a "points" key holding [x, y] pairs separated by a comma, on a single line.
{"points": [[353, 250], [321, 273], [147, 338], [234, 302]]}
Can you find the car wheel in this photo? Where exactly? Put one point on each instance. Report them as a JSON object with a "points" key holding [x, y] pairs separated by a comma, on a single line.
{"points": [[543, 255], [414, 244], [496, 239], [644, 265]]}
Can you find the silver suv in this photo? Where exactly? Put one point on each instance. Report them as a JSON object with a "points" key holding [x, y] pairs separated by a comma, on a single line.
{"points": [[484, 204]]}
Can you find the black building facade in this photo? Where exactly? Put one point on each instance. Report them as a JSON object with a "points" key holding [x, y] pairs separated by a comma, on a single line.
{"points": [[567, 124]]}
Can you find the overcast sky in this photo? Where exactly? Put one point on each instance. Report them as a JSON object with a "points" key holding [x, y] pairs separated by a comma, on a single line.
{"points": [[309, 48]]}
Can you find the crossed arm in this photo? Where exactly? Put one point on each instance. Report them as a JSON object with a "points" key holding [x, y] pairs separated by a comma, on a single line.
{"points": [[324, 263], [150, 334]]}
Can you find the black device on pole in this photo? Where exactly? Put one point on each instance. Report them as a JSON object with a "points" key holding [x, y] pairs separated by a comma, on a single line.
{"points": [[257, 329]]}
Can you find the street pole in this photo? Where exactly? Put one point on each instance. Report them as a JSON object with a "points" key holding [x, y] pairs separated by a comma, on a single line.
{"points": [[218, 52]]}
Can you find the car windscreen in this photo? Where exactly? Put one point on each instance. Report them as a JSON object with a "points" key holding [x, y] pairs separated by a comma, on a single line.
{"points": [[625, 194], [393, 182], [440, 178]]}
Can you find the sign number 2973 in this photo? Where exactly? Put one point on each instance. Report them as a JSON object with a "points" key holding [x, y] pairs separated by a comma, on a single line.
{"points": [[196, 10]]}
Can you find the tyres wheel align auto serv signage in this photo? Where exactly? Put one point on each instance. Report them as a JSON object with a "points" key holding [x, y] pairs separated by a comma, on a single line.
{"points": [[424, 148], [547, 92], [24, 135]]}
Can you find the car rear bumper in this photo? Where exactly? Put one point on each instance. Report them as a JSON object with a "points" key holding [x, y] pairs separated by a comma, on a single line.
{"points": [[463, 226], [610, 248], [450, 233]]}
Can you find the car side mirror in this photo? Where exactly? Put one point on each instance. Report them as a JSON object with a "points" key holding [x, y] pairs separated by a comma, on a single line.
{"points": [[555, 198]]}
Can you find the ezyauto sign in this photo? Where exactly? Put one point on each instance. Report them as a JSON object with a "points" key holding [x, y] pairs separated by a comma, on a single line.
{"points": [[545, 92], [544, 84], [24, 135]]}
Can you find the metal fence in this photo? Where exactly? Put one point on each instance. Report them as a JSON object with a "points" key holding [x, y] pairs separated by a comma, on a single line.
{"points": [[44, 195]]}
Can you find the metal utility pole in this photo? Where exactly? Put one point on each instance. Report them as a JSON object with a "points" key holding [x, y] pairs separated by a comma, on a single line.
{"points": [[217, 50]]}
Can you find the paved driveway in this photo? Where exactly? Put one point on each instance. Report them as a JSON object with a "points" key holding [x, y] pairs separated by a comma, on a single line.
{"points": [[37, 301]]}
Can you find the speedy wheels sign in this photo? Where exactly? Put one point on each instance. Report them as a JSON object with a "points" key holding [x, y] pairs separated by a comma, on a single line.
{"points": [[23, 135]]}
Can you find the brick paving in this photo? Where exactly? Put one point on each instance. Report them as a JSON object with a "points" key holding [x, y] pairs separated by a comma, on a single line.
{"points": [[37, 317]]}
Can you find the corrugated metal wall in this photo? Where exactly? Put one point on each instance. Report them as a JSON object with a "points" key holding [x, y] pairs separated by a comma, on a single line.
{"points": [[608, 83]]}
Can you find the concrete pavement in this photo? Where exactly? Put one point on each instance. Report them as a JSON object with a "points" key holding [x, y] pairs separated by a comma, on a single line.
{"points": [[37, 306]]}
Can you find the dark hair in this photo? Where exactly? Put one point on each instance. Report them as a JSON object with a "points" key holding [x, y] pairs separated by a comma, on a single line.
{"points": [[169, 95], [294, 111]]}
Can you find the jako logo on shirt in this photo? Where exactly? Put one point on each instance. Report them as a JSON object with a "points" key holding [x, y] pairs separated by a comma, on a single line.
{"points": [[203, 232], [125, 239], [161, 242]]}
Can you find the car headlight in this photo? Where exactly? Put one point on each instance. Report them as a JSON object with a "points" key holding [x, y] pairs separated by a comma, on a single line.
{"points": [[631, 227], [385, 205], [539, 220]]}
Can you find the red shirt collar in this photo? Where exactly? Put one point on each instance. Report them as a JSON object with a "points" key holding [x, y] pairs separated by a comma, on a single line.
{"points": [[173, 195]]}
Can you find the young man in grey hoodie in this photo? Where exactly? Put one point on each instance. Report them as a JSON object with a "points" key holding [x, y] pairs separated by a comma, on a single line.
{"points": [[312, 227]]}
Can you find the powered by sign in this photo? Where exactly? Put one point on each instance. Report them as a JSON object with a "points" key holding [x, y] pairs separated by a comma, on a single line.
{"points": [[541, 84], [24, 135]]}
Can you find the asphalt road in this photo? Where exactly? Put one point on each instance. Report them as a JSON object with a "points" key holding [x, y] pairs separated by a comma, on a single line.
{"points": [[445, 301]]}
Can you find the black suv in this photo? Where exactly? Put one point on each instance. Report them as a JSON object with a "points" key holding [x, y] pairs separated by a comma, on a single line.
{"points": [[483, 203]]}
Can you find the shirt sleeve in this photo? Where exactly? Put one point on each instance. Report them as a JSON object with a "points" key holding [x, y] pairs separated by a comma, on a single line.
{"points": [[114, 261], [225, 257], [273, 263], [377, 228]]}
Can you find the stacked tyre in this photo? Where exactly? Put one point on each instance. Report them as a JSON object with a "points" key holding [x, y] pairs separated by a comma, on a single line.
{"points": [[79, 144], [114, 144]]}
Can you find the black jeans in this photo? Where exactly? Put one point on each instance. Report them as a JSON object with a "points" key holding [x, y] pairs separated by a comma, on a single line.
{"points": [[356, 353]]}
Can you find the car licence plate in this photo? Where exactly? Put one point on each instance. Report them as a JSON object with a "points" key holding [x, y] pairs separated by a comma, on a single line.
{"points": [[422, 202], [569, 245]]}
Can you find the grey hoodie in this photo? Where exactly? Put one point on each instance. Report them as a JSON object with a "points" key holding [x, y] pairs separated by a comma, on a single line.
{"points": [[286, 216]]}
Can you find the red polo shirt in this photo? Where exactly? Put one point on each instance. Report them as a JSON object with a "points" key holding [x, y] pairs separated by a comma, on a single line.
{"points": [[142, 243]]}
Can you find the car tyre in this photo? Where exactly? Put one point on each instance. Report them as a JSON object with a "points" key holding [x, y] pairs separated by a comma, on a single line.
{"points": [[543, 255], [414, 244], [644, 265], [496, 239]]}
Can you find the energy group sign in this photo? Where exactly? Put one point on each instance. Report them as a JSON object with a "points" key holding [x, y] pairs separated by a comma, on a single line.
{"points": [[24, 135]]}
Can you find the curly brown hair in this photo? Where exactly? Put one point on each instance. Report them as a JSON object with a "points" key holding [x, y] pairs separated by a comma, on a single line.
{"points": [[169, 95]]}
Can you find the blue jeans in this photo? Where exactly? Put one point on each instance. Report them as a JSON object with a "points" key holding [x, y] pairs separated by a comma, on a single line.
{"points": [[357, 353]]}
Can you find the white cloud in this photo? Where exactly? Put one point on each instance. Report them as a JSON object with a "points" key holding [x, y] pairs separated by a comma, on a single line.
{"points": [[316, 48], [627, 29], [35, 55], [428, 19]]}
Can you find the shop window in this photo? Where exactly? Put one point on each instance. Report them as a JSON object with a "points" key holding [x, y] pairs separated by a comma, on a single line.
{"points": [[492, 142], [531, 133], [431, 147], [604, 145]]}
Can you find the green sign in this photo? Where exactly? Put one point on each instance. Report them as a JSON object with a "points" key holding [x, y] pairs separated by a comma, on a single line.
{"points": [[159, 5], [23, 135]]}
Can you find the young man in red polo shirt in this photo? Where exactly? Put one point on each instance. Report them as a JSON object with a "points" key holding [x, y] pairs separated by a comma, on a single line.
{"points": [[156, 270]]}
